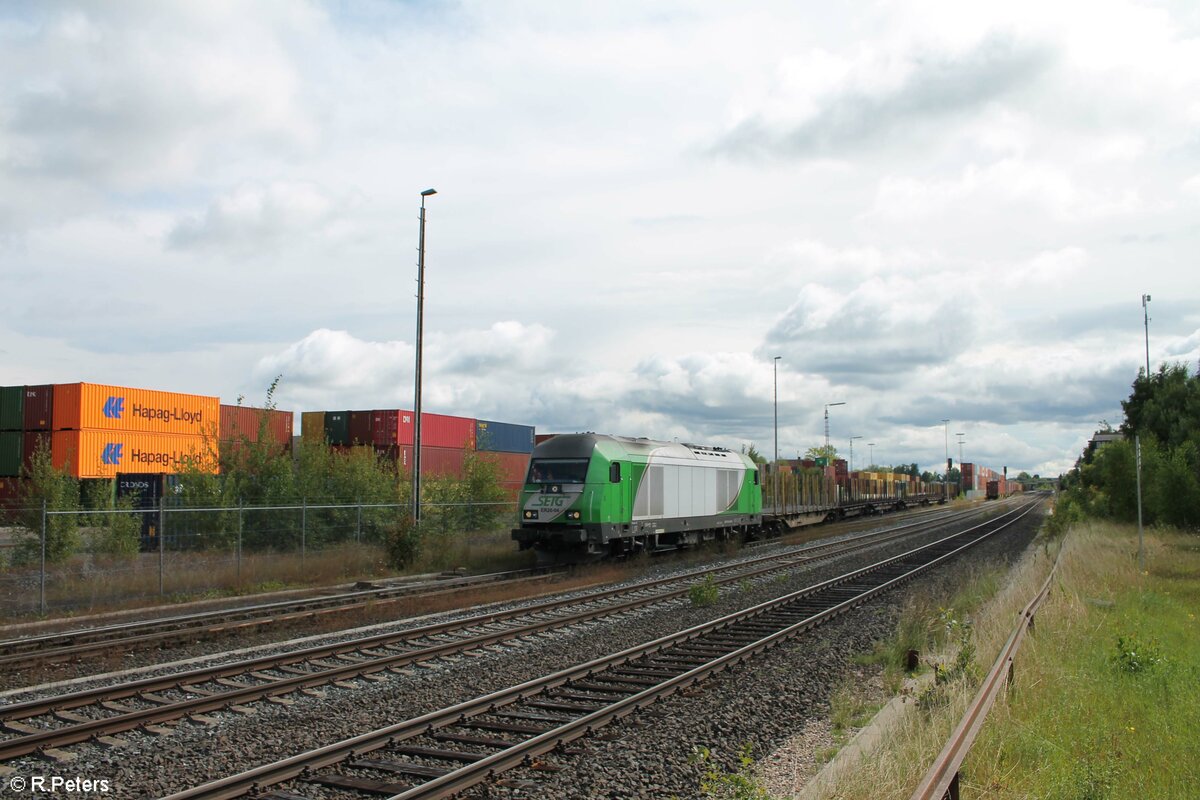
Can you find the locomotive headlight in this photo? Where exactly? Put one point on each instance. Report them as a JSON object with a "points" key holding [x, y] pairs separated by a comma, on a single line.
{"points": [[573, 515], [531, 514]]}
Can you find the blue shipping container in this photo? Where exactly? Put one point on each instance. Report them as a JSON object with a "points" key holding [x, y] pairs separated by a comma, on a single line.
{"points": [[503, 437]]}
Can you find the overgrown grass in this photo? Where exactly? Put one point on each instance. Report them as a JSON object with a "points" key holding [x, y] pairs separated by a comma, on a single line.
{"points": [[94, 583], [936, 628], [1102, 705], [1105, 698], [987, 606]]}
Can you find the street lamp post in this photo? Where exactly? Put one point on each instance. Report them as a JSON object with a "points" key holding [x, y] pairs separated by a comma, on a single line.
{"points": [[852, 438], [946, 482], [960, 462], [827, 405], [871, 445], [775, 466], [1146, 314], [416, 470]]}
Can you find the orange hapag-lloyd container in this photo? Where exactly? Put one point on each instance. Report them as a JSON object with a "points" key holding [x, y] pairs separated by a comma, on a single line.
{"points": [[102, 453], [80, 406]]}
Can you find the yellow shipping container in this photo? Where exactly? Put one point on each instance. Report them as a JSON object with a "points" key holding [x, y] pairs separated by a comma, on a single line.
{"points": [[102, 454], [312, 426], [83, 406]]}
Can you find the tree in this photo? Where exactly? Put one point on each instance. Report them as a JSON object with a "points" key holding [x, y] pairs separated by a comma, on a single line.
{"points": [[1163, 411], [822, 451], [1166, 406], [752, 453], [57, 491]]}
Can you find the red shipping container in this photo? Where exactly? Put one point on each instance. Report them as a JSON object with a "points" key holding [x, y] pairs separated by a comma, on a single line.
{"points": [[361, 425], [391, 427], [33, 440], [445, 461], [441, 430], [437, 430], [244, 421], [513, 466], [39, 406]]}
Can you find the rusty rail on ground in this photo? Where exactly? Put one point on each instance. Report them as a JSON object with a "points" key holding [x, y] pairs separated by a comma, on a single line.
{"points": [[941, 781]]}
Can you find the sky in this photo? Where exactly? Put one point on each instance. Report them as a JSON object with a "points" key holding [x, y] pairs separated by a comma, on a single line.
{"points": [[927, 210]]}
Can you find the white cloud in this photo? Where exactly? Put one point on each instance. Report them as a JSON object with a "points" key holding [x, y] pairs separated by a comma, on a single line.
{"points": [[957, 208], [254, 218], [467, 372], [879, 328], [1015, 188]]}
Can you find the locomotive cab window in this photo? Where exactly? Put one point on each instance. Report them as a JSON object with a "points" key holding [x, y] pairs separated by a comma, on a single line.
{"points": [[557, 470], [755, 476], [614, 472]]}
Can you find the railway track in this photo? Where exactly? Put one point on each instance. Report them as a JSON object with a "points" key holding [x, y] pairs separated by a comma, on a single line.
{"points": [[71, 644], [65, 719], [59, 646], [441, 753]]}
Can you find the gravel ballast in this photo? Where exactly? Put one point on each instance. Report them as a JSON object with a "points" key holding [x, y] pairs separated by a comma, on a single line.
{"points": [[645, 756]]}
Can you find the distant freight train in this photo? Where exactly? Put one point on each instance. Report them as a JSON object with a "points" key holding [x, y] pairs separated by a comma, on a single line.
{"points": [[588, 496]]}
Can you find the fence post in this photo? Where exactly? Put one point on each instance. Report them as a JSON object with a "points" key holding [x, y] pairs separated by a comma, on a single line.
{"points": [[162, 535], [303, 528], [358, 528], [42, 582], [241, 512]]}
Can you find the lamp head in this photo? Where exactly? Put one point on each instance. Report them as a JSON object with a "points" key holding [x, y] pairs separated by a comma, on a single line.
{"points": [[428, 192]]}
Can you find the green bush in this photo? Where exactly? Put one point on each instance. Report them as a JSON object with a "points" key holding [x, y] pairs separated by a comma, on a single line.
{"points": [[57, 491], [1134, 656], [402, 542], [704, 593], [719, 784]]}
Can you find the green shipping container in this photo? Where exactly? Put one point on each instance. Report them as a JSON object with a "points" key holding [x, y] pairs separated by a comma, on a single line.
{"points": [[12, 447], [12, 408], [823, 461], [337, 427]]}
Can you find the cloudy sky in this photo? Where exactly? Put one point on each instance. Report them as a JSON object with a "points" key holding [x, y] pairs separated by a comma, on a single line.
{"points": [[927, 209]]}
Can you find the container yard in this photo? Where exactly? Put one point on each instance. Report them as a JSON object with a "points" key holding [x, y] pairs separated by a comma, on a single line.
{"points": [[100, 431], [446, 440]]}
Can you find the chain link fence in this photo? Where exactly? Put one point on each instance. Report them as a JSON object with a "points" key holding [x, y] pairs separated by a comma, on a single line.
{"points": [[67, 560]]}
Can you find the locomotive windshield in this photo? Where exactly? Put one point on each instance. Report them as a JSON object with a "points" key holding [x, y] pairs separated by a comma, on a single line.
{"points": [[557, 470]]}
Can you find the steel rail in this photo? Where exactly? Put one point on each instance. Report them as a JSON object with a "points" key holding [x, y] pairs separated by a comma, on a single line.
{"points": [[941, 780], [259, 778], [804, 553], [209, 701], [58, 645], [61, 645]]}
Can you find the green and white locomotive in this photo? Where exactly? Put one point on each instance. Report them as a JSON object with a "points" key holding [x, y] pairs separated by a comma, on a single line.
{"points": [[589, 495]]}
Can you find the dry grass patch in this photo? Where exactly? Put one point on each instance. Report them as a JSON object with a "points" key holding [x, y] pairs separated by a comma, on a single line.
{"points": [[981, 616]]}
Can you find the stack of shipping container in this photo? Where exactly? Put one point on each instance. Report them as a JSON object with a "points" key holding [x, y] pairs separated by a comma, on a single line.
{"points": [[101, 430], [96, 431], [25, 420], [975, 478], [445, 440]]}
